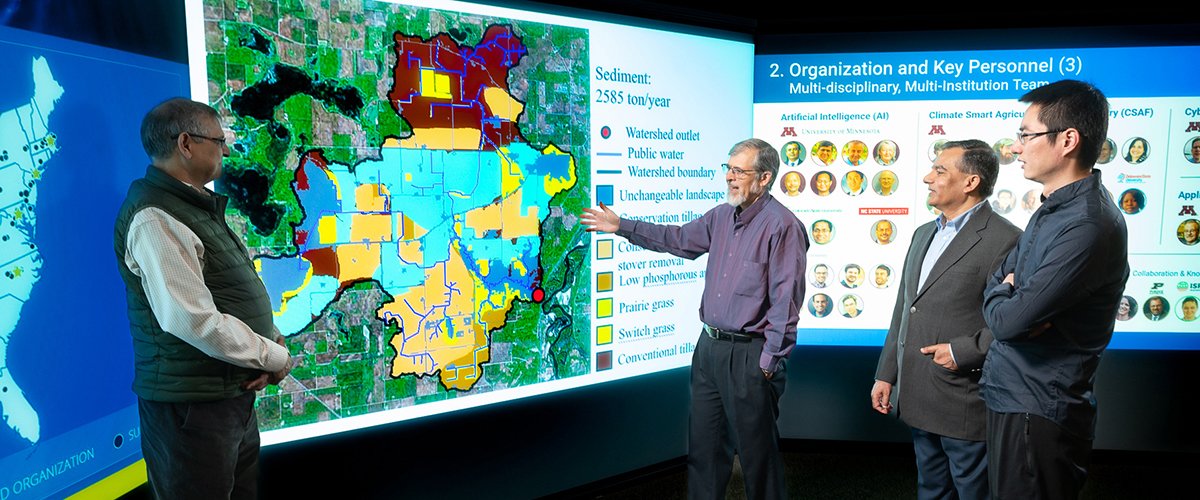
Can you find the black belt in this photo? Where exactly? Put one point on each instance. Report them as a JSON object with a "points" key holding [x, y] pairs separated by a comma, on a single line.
{"points": [[726, 335]]}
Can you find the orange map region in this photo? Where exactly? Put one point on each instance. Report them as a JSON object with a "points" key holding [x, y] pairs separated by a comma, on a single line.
{"points": [[441, 86]]}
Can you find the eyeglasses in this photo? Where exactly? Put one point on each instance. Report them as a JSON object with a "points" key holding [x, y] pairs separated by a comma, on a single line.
{"points": [[1023, 137], [219, 140], [738, 172]]}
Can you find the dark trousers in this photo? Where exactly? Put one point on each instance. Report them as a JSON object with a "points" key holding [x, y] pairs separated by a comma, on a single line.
{"points": [[201, 450], [734, 407], [1030, 457], [949, 468]]}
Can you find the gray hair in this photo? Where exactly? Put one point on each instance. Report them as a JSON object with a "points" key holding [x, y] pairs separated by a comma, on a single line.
{"points": [[765, 157], [978, 159], [174, 116]]}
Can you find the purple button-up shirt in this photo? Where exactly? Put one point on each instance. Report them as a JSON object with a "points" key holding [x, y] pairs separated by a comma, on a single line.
{"points": [[754, 282]]}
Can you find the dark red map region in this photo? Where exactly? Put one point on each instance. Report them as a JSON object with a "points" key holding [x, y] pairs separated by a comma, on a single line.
{"points": [[471, 70]]}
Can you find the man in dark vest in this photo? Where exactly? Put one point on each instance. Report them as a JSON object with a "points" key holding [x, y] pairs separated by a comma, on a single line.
{"points": [[203, 337]]}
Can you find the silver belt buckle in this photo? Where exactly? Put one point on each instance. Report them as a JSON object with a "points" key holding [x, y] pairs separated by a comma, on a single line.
{"points": [[712, 333]]}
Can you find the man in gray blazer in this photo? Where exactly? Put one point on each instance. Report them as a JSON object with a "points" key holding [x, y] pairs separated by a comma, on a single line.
{"points": [[928, 373]]}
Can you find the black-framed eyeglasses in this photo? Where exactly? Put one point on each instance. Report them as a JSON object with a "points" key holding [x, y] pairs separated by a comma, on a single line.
{"points": [[219, 140], [1023, 137], [738, 172]]}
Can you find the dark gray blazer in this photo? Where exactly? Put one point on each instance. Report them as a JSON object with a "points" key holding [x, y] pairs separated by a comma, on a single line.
{"points": [[949, 308]]}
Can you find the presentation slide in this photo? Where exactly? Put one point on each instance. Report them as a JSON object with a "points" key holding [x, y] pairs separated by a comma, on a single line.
{"points": [[858, 133], [409, 179], [69, 146]]}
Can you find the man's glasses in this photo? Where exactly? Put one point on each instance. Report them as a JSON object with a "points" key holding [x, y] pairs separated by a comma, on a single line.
{"points": [[1023, 137], [737, 172], [219, 140]]}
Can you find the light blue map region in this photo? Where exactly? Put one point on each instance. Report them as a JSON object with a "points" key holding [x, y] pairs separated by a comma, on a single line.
{"points": [[25, 147], [434, 190]]}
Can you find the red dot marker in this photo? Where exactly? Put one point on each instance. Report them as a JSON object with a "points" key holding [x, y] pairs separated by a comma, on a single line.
{"points": [[538, 295]]}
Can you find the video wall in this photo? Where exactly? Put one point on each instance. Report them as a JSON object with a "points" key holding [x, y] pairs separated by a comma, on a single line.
{"points": [[858, 132], [409, 179]]}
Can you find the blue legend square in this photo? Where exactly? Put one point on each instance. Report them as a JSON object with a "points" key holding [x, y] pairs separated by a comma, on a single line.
{"points": [[604, 194]]}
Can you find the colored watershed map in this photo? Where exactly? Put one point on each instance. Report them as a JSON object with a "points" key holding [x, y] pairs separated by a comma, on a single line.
{"points": [[25, 146], [408, 180]]}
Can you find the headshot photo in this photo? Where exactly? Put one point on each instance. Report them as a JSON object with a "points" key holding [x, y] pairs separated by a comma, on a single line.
{"points": [[1108, 151], [823, 182], [1004, 202], [1126, 308], [883, 232], [792, 183], [1004, 152], [855, 153], [1191, 150], [791, 154], [1188, 232], [824, 153], [1136, 150], [1187, 308], [850, 306], [818, 305], [1032, 200], [822, 232], [885, 183], [852, 276], [1132, 201], [936, 148], [819, 276], [886, 152], [1156, 308], [883, 276], [852, 183]]}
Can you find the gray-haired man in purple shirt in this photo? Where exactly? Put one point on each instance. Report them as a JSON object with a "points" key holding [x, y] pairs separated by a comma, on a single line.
{"points": [[753, 291]]}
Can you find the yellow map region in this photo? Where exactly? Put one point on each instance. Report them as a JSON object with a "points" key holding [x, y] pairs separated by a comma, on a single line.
{"points": [[440, 332]]}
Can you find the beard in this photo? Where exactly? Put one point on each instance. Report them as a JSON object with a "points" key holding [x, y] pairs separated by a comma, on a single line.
{"points": [[737, 199]]}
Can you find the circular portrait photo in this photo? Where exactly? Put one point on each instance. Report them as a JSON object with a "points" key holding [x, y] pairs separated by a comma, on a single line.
{"points": [[1005, 202], [1108, 151], [818, 305], [852, 275], [1004, 152], [885, 183], [824, 153], [1188, 232], [792, 183], [791, 154], [1186, 308], [855, 153], [1132, 201], [1156, 308], [1136, 150], [822, 232], [886, 152], [936, 148], [823, 182], [1031, 201], [850, 306], [1191, 149], [883, 276], [1126, 309], [883, 232], [852, 183], [819, 276]]}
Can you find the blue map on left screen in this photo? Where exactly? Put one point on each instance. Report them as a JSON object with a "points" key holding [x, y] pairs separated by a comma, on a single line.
{"points": [[69, 147]]}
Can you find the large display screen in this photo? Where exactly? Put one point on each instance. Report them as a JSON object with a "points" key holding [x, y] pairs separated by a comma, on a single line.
{"points": [[69, 146], [409, 178], [863, 130]]}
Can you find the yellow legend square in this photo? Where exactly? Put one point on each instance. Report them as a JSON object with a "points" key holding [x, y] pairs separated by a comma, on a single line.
{"points": [[603, 334], [604, 282], [604, 249], [604, 308]]}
